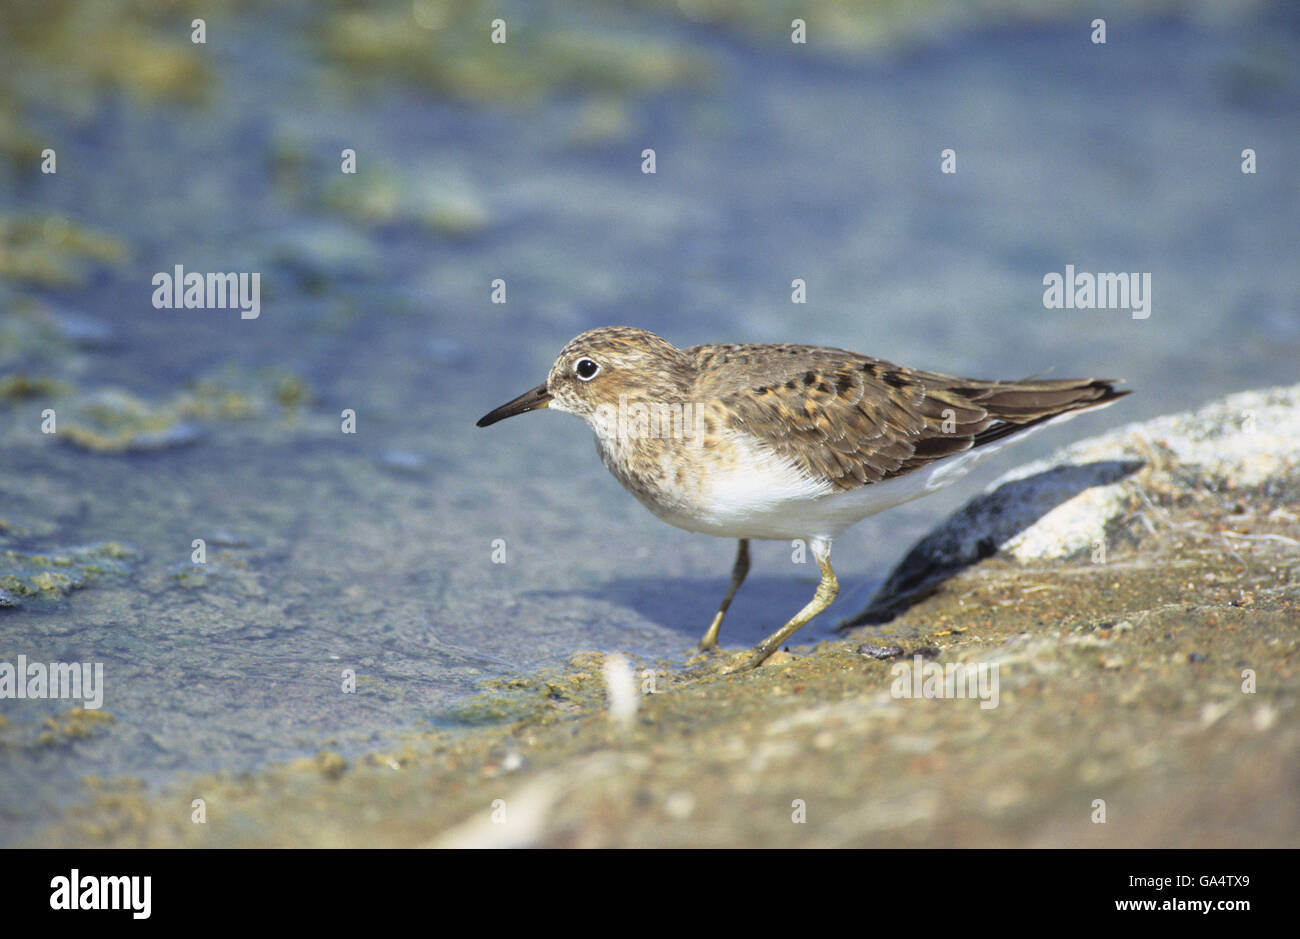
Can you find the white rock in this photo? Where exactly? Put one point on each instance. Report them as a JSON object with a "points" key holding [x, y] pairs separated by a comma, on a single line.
{"points": [[1061, 506]]}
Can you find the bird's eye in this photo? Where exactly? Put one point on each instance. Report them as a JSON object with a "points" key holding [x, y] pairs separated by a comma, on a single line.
{"points": [[586, 369]]}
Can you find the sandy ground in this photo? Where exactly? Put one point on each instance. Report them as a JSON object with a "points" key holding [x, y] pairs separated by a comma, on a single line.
{"points": [[1148, 700]]}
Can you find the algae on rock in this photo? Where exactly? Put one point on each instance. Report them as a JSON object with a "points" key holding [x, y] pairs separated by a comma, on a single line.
{"points": [[25, 576]]}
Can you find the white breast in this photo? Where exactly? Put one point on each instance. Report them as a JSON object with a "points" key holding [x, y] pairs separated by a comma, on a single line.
{"points": [[762, 495], [756, 494]]}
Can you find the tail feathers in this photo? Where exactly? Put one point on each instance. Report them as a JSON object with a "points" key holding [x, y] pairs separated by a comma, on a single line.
{"points": [[1018, 406]]}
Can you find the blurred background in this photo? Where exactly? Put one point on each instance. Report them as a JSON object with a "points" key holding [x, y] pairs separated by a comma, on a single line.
{"points": [[523, 161]]}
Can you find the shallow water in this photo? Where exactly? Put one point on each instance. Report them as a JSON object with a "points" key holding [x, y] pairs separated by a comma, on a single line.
{"points": [[374, 551]]}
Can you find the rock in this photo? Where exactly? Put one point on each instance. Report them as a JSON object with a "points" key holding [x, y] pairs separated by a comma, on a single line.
{"points": [[1072, 503], [880, 652]]}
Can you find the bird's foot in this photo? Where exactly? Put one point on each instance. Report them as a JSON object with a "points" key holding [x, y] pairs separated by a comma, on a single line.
{"points": [[717, 661], [703, 655]]}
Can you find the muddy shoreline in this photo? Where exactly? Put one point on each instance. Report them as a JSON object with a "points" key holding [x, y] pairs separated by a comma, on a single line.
{"points": [[1158, 690]]}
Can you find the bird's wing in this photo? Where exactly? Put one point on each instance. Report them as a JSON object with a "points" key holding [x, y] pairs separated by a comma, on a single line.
{"points": [[853, 420]]}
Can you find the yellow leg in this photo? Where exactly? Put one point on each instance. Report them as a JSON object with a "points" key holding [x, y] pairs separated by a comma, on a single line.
{"points": [[738, 573], [826, 592]]}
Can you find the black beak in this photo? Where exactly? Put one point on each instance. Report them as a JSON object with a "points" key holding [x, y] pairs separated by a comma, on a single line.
{"points": [[539, 397]]}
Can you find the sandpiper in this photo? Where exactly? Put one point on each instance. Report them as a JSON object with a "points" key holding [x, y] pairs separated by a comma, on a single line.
{"points": [[784, 441]]}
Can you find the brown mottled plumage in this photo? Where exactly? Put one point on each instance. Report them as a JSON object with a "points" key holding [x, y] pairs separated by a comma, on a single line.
{"points": [[784, 441], [855, 420]]}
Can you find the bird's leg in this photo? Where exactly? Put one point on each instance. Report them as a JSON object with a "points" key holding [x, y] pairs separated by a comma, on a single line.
{"points": [[738, 573], [826, 592]]}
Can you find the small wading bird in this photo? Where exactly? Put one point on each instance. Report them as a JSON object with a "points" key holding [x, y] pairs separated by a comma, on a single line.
{"points": [[784, 441]]}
